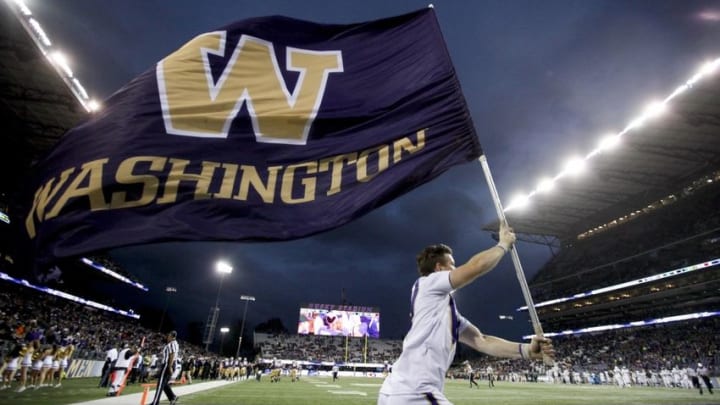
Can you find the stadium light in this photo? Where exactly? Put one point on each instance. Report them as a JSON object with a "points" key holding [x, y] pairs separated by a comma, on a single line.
{"points": [[545, 185], [223, 268], [653, 110], [23, 8], [58, 60], [519, 201], [574, 166], [709, 67], [93, 105], [224, 330], [168, 291], [39, 32], [609, 142], [246, 298], [61, 60]]}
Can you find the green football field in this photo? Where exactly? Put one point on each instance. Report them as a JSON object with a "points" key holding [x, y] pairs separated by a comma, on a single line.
{"points": [[363, 391]]}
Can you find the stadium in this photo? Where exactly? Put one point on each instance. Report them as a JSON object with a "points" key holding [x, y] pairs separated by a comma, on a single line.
{"points": [[630, 297]]}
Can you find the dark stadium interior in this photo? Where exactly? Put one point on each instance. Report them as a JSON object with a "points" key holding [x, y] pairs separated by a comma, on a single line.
{"points": [[660, 159], [683, 232], [36, 106], [646, 209]]}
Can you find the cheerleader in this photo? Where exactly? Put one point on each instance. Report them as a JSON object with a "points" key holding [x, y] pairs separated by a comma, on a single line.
{"points": [[26, 354], [62, 358], [12, 362], [38, 358]]}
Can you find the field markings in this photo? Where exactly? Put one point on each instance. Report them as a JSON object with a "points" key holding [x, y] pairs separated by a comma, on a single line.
{"points": [[366, 385], [364, 394]]}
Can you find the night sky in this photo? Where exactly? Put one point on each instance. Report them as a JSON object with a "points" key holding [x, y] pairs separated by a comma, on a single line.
{"points": [[543, 80]]}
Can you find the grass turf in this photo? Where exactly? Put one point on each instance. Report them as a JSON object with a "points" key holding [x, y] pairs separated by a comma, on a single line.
{"points": [[363, 391], [72, 391]]}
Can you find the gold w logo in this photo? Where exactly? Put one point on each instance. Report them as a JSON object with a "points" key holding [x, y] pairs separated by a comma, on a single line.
{"points": [[194, 104]]}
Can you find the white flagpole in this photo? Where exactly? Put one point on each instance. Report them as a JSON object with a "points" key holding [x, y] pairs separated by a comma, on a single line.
{"points": [[513, 251]]}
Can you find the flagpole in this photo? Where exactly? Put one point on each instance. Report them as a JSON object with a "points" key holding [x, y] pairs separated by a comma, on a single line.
{"points": [[537, 327], [365, 351]]}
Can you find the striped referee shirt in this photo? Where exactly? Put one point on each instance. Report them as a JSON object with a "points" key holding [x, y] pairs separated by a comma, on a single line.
{"points": [[170, 347]]}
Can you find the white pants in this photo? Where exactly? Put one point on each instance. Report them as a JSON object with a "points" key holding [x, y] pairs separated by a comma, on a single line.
{"points": [[435, 398], [117, 381]]}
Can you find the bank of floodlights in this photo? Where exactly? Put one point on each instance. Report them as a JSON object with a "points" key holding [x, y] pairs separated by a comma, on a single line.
{"points": [[55, 56], [576, 165]]}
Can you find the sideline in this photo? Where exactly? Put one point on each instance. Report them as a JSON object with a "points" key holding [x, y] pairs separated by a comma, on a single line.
{"points": [[180, 390]]}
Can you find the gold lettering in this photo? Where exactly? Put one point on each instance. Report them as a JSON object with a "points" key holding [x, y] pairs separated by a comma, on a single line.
{"points": [[150, 183], [195, 104], [405, 145], [178, 174], [337, 170], [42, 196], [309, 183], [228, 181], [250, 177], [383, 153], [92, 172], [295, 187]]}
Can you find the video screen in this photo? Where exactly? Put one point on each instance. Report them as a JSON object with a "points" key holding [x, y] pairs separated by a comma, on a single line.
{"points": [[339, 320]]}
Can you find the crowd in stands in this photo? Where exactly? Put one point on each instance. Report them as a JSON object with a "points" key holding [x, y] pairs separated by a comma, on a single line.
{"points": [[27, 314], [327, 348], [652, 348], [682, 233], [649, 349]]}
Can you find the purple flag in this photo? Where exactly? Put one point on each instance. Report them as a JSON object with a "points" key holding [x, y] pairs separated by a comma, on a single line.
{"points": [[267, 129]]}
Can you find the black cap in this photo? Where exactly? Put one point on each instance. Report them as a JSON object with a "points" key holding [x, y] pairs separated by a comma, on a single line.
{"points": [[172, 333]]}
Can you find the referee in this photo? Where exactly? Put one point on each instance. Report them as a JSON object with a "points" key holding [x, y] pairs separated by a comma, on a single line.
{"points": [[169, 354]]}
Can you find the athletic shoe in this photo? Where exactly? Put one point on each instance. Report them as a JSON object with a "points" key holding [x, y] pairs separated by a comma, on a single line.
{"points": [[174, 401], [21, 389]]}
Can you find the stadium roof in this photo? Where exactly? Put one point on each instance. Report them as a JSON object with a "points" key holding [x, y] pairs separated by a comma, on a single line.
{"points": [[36, 105], [38, 102], [661, 158]]}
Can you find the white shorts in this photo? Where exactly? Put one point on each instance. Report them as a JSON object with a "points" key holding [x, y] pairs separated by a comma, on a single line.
{"points": [[434, 398], [13, 364]]}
